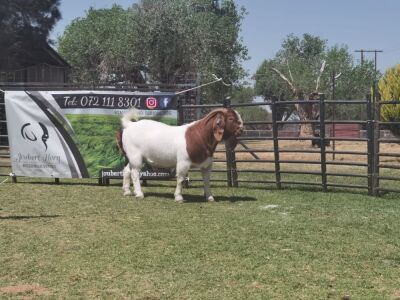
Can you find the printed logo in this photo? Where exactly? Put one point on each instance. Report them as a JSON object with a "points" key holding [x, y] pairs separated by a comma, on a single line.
{"points": [[151, 102], [165, 101], [29, 133]]}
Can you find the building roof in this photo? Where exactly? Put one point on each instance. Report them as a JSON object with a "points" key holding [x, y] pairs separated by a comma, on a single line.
{"points": [[32, 55]]}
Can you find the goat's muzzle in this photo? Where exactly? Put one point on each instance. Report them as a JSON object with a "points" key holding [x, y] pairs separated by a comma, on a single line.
{"points": [[233, 140]]}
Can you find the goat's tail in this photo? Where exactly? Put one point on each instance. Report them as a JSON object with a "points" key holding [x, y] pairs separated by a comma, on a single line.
{"points": [[118, 141], [131, 115]]}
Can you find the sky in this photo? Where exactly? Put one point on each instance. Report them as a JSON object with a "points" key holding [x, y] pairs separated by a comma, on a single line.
{"points": [[357, 24]]}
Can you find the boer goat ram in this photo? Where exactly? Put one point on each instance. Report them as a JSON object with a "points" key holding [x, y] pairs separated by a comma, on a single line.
{"points": [[182, 147]]}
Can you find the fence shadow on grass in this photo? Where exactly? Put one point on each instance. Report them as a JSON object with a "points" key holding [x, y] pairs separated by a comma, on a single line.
{"points": [[198, 198], [28, 217], [94, 183]]}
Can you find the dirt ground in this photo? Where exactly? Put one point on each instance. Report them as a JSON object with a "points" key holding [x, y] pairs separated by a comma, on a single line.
{"points": [[24, 291], [306, 145], [314, 157]]}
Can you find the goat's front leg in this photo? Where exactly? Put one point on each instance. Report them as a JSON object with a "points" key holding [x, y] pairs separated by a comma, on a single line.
{"points": [[181, 172], [206, 174]]}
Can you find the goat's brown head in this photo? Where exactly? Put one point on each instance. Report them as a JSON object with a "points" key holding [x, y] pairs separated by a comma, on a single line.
{"points": [[204, 135], [227, 125]]}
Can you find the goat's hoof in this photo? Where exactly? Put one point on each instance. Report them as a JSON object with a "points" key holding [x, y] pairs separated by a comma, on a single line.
{"points": [[210, 199], [127, 193], [139, 195], [179, 198]]}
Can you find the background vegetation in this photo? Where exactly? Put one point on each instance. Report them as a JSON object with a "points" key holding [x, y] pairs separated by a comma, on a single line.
{"points": [[389, 89], [165, 40], [300, 61], [168, 39]]}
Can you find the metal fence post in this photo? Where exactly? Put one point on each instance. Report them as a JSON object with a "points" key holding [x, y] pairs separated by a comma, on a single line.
{"points": [[370, 145], [333, 114], [322, 141], [377, 117], [198, 97], [180, 111], [276, 144], [234, 174], [4, 141], [231, 172]]}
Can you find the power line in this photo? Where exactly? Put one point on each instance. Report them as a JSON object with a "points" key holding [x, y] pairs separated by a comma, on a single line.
{"points": [[392, 50]]}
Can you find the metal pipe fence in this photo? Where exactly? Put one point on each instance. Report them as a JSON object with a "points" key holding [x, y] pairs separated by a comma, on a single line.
{"points": [[263, 159]]}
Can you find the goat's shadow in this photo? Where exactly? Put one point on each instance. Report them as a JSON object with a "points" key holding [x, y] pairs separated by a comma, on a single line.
{"points": [[198, 198]]}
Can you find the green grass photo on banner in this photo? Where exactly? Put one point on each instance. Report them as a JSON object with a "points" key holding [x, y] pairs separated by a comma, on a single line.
{"points": [[95, 138]]}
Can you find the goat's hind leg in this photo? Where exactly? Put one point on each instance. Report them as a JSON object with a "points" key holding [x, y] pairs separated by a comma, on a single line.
{"points": [[135, 164], [135, 174], [126, 180]]}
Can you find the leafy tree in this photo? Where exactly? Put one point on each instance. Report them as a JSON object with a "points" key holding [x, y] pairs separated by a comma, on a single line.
{"points": [[169, 38], [242, 94], [183, 36], [254, 113], [389, 89], [24, 23], [298, 66], [352, 82], [100, 46], [303, 68]]}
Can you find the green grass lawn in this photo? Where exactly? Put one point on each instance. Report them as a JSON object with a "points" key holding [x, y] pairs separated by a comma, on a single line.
{"points": [[81, 240]]}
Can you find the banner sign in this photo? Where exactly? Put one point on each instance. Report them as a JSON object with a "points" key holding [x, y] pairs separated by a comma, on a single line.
{"points": [[71, 134]]}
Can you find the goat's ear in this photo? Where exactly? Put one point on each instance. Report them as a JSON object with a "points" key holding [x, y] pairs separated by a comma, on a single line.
{"points": [[219, 127]]}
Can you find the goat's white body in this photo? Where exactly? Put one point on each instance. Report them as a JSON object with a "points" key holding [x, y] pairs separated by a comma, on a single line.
{"points": [[160, 145]]}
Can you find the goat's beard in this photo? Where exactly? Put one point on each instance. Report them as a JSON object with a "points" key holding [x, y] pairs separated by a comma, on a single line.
{"points": [[231, 142]]}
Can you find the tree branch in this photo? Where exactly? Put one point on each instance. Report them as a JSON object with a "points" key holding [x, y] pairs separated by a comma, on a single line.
{"points": [[292, 87], [320, 74], [290, 72]]}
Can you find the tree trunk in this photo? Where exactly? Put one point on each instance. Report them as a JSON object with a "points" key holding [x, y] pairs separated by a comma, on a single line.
{"points": [[306, 130], [308, 112]]}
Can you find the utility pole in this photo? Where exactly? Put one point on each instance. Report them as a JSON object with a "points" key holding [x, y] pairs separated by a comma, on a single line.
{"points": [[365, 51], [376, 128], [362, 55]]}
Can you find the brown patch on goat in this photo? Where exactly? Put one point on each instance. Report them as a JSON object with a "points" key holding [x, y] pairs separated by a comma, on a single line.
{"points": [[203, 136]]}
